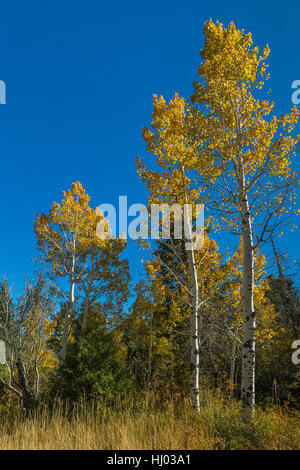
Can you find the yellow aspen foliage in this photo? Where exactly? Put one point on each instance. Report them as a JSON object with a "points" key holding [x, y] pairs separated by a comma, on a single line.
{"points": [[70, 248]]}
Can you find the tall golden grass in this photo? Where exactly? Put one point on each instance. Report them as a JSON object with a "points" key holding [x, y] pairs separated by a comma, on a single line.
{"points": [[132, 425]]}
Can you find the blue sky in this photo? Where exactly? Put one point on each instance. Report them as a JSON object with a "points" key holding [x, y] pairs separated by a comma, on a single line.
{"points": [[80, 76]]}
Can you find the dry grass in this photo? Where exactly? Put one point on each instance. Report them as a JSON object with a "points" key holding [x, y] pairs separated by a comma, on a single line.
{"points": [[143, 426]]}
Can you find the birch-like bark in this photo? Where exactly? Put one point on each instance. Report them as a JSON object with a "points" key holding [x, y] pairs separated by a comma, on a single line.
{"points": [[248, 349], [232, 369], [86, 306], [194, 321], [194, 317], [249, 320], [70, 306], [69, 311], [67, 323], [149, 372]]}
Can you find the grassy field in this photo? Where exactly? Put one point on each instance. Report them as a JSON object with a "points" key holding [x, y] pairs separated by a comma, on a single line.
{"points": [[144, 426]]}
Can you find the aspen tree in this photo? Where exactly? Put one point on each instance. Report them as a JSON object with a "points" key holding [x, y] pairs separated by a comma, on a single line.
{"points": [[243, 159], [172, 184], [71, 249]]}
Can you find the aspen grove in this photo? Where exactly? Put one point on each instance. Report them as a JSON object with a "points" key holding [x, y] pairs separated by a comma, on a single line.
{"points": [[206, 328]]}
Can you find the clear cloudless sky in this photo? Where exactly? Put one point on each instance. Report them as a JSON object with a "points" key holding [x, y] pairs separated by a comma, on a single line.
{"points": [[80, 76]]}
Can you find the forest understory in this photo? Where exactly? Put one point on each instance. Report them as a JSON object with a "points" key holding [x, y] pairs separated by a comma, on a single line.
{"points": [[140, 424]]}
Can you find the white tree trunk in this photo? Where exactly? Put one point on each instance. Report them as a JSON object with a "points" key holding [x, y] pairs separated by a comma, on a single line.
{"points": [[67, 322], [194, 322], [86, 306], [248, 351], [149, 372], [232, 368]]}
